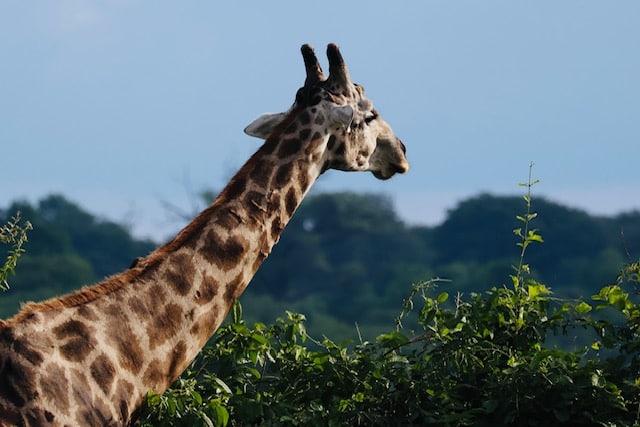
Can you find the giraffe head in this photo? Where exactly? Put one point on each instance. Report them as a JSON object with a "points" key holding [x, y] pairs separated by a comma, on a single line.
{"points": [[335, 108]]}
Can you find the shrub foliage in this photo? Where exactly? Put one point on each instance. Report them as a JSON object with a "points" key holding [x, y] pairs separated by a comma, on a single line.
{"points": [[507, 357], [513, 355]]}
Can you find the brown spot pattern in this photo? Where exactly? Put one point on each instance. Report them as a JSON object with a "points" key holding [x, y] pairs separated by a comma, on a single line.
{"points": [[87, 312], [33, 419], [233, 289], [22, 347], [79, 341], [208, 289], [225, 254], [11, 416], [123, 393], [54, 385], [284, 174], [292, 127], [113, 311], [130, 354], [304, 134], [288, 147], [153, 376], [260, 259], [97, 414], [178, 359], [180, 275], [235, 188], [331, 142], [103, 372], [291, 201], [227, 219], [204, 326], [139, 306], [303, 181], [16, 381], [89, 413], [144, 308], [276, 229], [254, 204], [304, 118], [261, 172], [165, 325]]}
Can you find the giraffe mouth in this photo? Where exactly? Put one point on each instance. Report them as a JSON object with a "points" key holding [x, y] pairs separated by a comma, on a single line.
{"points": [[382, 176], [390, 171]]}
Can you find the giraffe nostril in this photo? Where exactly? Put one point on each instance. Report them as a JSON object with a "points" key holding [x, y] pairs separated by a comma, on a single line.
{"points": [[404, 149], [398, 168]]}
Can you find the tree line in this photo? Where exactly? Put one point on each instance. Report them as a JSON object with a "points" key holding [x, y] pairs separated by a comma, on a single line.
{"points": [[345, 258]]}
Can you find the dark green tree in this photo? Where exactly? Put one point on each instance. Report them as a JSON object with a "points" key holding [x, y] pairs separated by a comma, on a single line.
{"points": [[67, 248]]}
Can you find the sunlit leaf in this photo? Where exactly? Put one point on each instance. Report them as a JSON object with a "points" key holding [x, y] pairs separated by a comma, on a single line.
{"points": [[583, 308], [442, 297]]}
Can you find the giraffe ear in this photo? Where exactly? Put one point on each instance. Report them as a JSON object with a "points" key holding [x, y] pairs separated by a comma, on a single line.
{"points": [[342, 115], [264, 125]]}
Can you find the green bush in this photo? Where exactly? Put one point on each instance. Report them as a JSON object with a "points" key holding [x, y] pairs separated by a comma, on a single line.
{"points": [[514, 355], [481, 361]]}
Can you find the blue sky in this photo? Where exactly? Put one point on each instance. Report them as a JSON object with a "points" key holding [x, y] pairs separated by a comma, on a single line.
{"points": [[119, 105]]}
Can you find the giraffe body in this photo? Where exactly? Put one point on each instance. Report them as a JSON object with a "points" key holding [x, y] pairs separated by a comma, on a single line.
{"points": [[89, 358]]}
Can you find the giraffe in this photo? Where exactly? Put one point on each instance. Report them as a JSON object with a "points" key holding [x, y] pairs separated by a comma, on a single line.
{"points": [[90, 357]]}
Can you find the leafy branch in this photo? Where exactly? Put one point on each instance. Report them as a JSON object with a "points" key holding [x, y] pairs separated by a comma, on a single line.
{"points": [[13, 233]]}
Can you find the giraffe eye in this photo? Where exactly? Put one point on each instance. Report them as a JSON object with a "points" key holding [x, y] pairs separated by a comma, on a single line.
{"points": [[371, 116]]}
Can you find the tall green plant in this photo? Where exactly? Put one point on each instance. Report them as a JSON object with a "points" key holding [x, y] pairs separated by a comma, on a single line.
{"points": [[526, 235]]}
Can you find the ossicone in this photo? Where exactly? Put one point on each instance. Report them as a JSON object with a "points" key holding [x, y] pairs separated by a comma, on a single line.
{"points": [[312, 66], [338, 72]]}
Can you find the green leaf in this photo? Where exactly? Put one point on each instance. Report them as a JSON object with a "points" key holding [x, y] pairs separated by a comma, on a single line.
{"points": [[392, 339], [241, 329], [583, 308], [153, 399], [320, 360], [171, 406], [442, 297], [196, 396], [222, 385], [260, 339], [237, 312], [534, 237], [537, 289], [221, 415], [206, 419], [254, 372], [358, 397]]}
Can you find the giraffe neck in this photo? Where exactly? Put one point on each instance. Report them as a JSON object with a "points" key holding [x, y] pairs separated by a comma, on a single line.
{"points": [[212, 260], [89, 358]]}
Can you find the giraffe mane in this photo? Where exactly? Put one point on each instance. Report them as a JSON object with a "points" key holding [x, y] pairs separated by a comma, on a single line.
{"points": [[82, 296]]}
